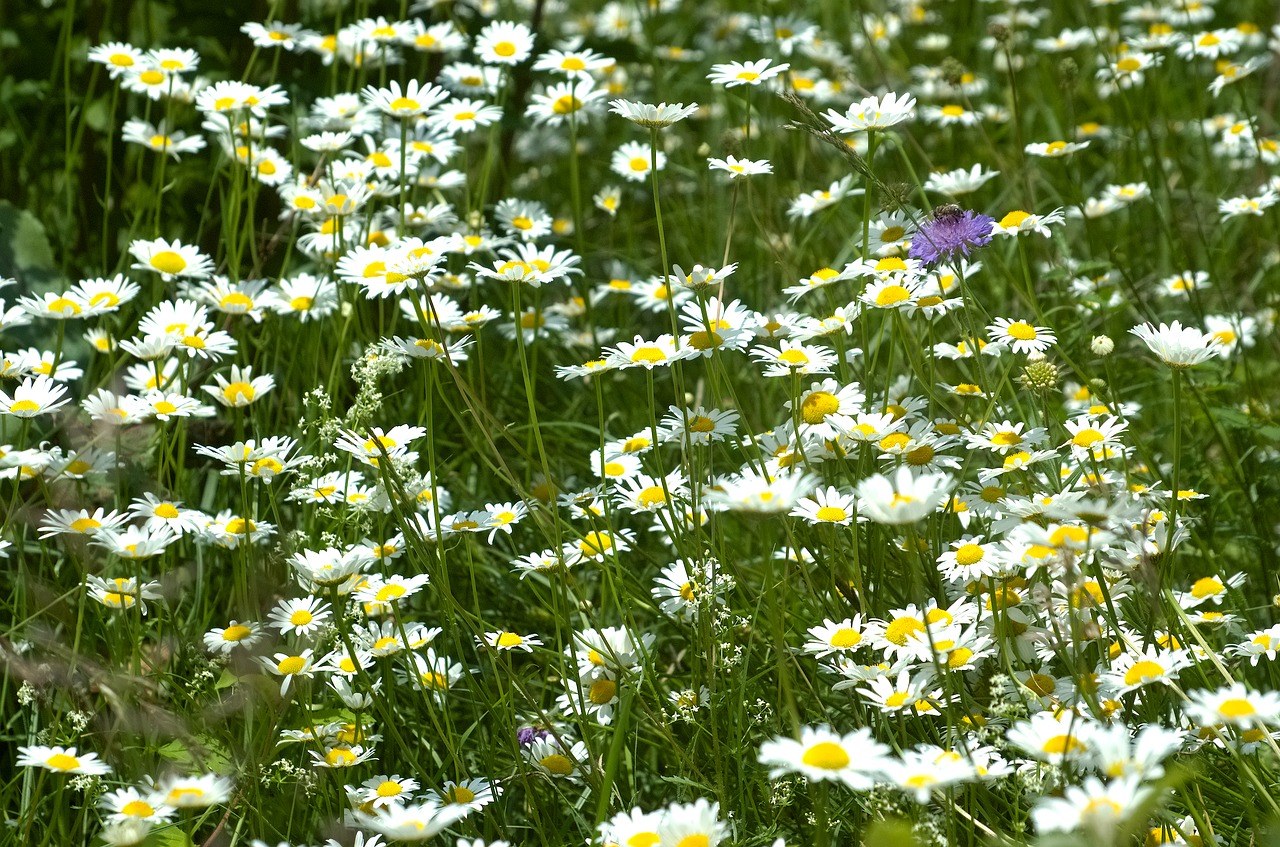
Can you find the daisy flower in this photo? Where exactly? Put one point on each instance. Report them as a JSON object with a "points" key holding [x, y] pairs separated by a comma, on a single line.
{"points": [[856, 758], [62, 760], [693, 823], [647, 115], [1178, 346], [242, 634], [195, 792], [171, 259], [125, 804], [405, 104], [1021, 336], [959, 181], [118, 57], [289, 666], [835, 637], [828, 506], [873, 113], [1018, 222], [904, 498], [1055, 149], [300, 616], [1095, 806], [733, 74], [34, 397], [504, 43], [633, 161], [1131, 671], [1234, 704], [503, 640], [737, 168]]}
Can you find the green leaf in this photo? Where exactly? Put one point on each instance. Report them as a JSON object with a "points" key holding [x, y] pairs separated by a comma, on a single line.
{"points": [[168, 836]]}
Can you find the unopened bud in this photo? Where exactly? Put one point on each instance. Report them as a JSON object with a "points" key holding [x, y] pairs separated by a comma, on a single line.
{"points": [[1102, 345], [1039, 377]]}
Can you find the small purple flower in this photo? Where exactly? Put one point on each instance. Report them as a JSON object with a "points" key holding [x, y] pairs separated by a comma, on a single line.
{"points": [[526, 735], [951, 230]]}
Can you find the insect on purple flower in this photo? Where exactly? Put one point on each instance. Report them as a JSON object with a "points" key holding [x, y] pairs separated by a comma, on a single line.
{"points": [[948, 231]]}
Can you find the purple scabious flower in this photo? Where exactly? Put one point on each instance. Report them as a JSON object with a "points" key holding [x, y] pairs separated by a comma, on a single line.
{"points": [[951, 230], [526, 735]]}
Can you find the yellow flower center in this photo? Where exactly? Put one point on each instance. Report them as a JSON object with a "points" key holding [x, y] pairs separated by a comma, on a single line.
{"points": [[1236, 708], [1142, 671], [1021, 330], [1014, 219], [845, 637], [1206, 587], [818, 405], [557, 764], [236, 632], [833, 514], [1062, 744], [291, 665], [898, 631], [62, 762], [137, 809], [826, 755], [168, 262], [603, 691]]}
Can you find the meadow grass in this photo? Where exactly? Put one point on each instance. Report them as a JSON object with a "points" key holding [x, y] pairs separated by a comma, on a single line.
{"points": [[655, 424]]}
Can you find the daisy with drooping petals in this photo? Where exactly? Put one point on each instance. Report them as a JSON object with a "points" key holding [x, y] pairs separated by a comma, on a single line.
{"points": [[1178, 346], [648, 115], [873, 113], [413, 100]]}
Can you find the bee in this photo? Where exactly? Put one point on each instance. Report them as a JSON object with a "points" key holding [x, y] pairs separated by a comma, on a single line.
{"points": [[947, 211]]}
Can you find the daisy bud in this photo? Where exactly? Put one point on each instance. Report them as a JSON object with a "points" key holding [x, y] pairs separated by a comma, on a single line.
{"points": [[1097, 386], [952, 71], [1102, 345], [1068, 73], [999, 32], [1040, 377], [1275, 601]]}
